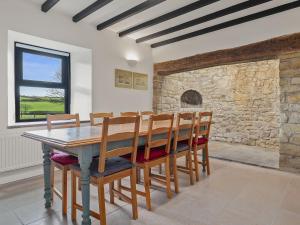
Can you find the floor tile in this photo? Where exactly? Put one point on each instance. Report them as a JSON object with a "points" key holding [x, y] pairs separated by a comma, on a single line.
{"points": [[9, 218], [291, 201], [287, 218]]}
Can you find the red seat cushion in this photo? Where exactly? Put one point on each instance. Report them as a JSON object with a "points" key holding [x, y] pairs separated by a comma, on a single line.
{"points": [[200, 141], [64, 159], [55, 152], [155, 153]]}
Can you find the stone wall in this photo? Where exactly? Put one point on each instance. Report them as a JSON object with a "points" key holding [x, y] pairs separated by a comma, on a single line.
{"points": [[244, 99], [290, 112]]}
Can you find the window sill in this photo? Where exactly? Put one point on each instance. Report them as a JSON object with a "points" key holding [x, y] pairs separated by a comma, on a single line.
{"points": [[33, 124]]}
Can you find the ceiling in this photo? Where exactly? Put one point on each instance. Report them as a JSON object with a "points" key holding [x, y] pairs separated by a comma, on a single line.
{"points": [[112, 9]]}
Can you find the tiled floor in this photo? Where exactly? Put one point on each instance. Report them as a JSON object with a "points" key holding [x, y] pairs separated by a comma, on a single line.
{"points": [[234, 194], [252, 155]]}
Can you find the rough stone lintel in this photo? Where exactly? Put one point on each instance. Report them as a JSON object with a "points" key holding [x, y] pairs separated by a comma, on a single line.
{"points": [[268, 49]]}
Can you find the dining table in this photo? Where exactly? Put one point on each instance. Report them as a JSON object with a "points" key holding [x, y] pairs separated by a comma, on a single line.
{"points": [[83, 142]]}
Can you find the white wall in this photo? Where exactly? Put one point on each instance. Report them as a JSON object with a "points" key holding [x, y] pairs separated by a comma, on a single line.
{"points": [[108, 52], [247, 33]]}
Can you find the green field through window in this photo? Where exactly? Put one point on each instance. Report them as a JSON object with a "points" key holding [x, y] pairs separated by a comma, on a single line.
{"points": [[31, 107]]}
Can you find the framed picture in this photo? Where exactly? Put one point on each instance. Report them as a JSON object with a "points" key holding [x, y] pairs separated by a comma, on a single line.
{"points": [[123, 79], [140, 81]]}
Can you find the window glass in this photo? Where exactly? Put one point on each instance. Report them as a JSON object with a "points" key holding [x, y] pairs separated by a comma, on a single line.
{"points": [[42, 83], [42, 68], [37, 103]]}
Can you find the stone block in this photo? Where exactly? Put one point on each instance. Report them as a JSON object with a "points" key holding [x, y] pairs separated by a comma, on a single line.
{"points": [[284, 81], [290, 149], [283, 117], [290, 63], [295, 80], [293, 97], [289, 163], [294, 107], [289, 129], [290, 73], [294, 118], [295, 139]]}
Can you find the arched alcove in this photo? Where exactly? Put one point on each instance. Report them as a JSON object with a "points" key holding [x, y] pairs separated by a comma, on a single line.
{"points": [[191, 99]]}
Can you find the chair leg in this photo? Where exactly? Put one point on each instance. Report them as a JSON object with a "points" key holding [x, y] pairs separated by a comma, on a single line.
{"points": [[79, 184], [168, 178], [101, 199], [64, 190], [150, 183], [186, 162], [74, 197], [147, 187], [111, 193], [196, 163], [133, 194], [138, 175], [52, 180], [203, 163], [175, 173], [119, 187], [190, 167], [160, 169], [207, 159]]}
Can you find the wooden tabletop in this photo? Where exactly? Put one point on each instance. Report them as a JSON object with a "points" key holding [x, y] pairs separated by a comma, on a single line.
{"points": [[85, 135], [79, 136]]}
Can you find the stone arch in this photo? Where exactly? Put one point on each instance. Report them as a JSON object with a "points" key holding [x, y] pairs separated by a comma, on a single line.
{"points": [[190, 99]]}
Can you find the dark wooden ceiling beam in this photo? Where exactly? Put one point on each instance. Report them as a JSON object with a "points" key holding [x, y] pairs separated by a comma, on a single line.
{"points": [[47, 5], [133, 11], [90, 9], [230, 23], [203, 19], [268, 49], [170, 15]]}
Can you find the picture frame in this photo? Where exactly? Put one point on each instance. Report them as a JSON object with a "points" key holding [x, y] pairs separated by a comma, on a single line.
{"points": [[140, 81], [123, 79]]}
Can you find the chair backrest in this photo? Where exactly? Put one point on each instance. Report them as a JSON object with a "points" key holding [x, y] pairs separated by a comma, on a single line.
{"points": [[62, 121], [95, 117], [129, 113], [146, 114], [204, 124], [159, 133], [184, 128], [117, 130]]}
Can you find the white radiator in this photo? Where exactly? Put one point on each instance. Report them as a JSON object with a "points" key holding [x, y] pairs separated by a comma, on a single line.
{"points": [[17, 152]]}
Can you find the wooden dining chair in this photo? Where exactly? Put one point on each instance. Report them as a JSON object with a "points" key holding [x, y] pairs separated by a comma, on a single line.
{"points": [[182, 146], [155, 152], [95, 117], [200, 142], [60, 160], [110, 166], [129, 113]]}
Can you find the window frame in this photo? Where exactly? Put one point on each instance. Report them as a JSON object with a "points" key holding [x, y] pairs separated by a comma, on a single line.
{"points": [[65, 83]]}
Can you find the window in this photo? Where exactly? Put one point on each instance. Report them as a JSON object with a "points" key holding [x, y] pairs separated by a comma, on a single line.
{"points": [[42, 82]]}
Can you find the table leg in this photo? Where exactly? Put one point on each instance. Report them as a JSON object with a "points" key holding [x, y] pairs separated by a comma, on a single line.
{"points": [[47, 175], [85, 159]]}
